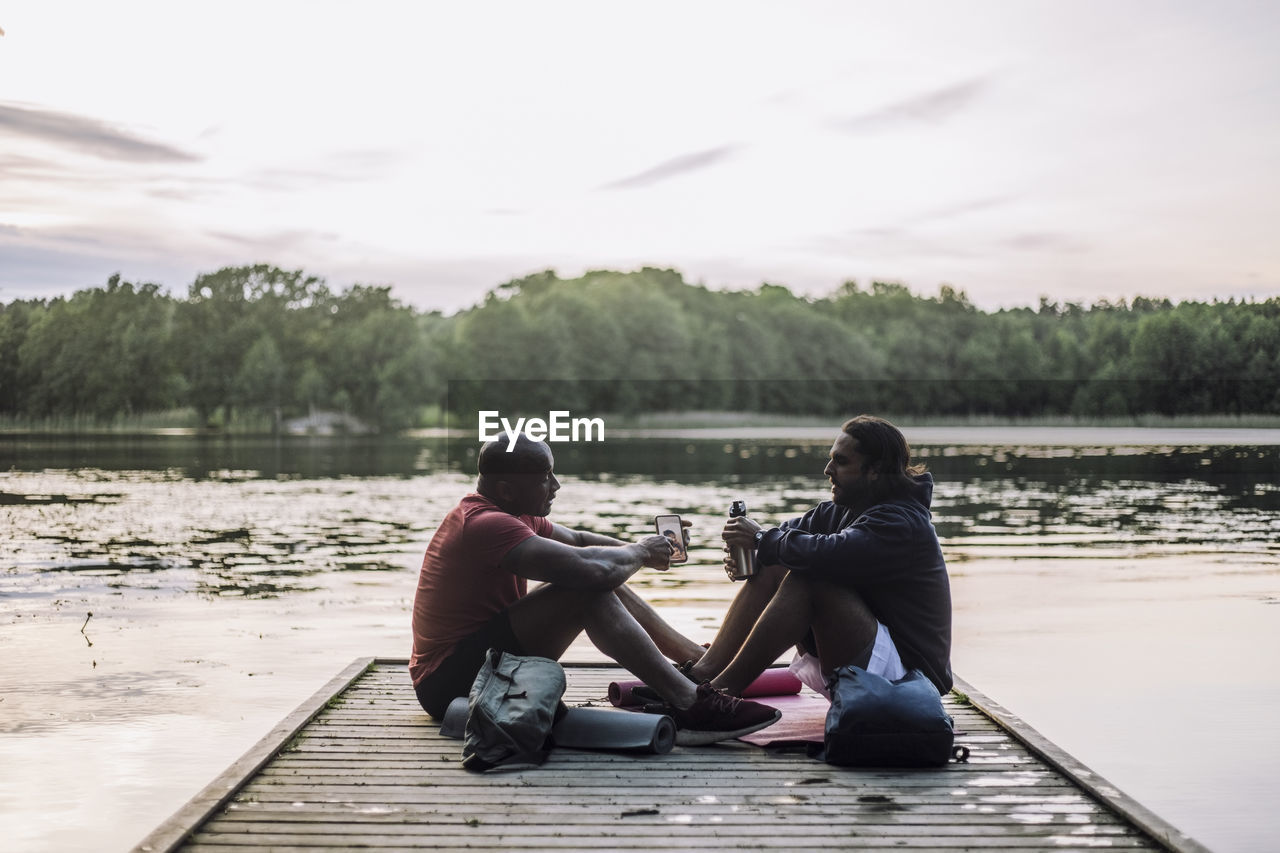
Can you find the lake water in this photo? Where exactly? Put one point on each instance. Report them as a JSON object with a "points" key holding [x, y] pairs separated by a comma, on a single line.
{"points": [[1118, 589]]}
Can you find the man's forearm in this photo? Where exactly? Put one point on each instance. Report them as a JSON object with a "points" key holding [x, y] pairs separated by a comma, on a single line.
{"points": [[612, 564], [588, 539]]}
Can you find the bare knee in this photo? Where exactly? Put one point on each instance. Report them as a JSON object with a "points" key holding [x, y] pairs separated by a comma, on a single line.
{"points": [[767, 581]]}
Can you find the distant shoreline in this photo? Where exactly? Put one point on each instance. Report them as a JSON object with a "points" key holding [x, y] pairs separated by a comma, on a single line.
{"points": [[702, 426], [1002, 436]]}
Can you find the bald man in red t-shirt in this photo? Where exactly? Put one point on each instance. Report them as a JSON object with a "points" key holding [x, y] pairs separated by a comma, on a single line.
{"points": [[473, 596]]}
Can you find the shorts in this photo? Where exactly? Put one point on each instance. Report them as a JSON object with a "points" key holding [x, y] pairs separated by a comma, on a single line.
{"points": [[457, 672], [884, 661]]}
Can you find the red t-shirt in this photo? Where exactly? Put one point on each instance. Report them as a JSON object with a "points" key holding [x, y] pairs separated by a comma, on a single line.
{"points": [[462, 584]]}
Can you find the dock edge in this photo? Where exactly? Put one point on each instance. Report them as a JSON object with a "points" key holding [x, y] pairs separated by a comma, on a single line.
{"points": [[171, 834], [1154, 826]]}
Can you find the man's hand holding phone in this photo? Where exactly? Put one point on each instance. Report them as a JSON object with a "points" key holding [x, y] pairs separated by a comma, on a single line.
{"points": [[657, 552]]}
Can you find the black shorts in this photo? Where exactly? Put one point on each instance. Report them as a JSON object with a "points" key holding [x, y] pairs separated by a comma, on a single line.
{"points": [[456, 673]]}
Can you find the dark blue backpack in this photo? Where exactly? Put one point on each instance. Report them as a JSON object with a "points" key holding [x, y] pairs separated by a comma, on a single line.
{"points": [[874, 722]]}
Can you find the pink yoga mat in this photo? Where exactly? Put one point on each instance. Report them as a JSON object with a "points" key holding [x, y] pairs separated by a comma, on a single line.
{"points": [[777, 681], [804, 718]]}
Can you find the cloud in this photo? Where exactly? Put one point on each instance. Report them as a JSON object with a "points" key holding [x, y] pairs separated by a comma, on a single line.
{"points": [[905, 235], [893, 244], [291, 180], [961, 209], [932, 107], [18, 166], [88, 135], [340, 167], [1045, 241], [673, 167], [268, 243], [174, 193]]}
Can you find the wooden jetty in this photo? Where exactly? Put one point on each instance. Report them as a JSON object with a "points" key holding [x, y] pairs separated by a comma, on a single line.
{"points": [[361, 765]]}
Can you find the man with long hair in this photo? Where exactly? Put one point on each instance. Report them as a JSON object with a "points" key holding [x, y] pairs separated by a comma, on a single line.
{"points": [[859, 579]]}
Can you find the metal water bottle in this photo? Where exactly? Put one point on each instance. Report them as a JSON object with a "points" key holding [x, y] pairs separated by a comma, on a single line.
{"points": [[744, 557]]}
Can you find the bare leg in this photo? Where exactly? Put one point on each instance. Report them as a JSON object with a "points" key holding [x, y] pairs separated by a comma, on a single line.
{"points": [[670, 642], [843, 626], [739, 619], [548, 619]]}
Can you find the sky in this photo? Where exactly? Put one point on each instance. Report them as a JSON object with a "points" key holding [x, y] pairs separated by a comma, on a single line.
{"points": [[1013, 150]]}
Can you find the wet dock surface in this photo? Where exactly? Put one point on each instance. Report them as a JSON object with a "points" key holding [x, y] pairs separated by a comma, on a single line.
{"points": [[361, 765]]}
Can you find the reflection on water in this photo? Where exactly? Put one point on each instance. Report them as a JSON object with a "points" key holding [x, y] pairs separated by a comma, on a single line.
{"points": [[234, 536], [258, 518]]}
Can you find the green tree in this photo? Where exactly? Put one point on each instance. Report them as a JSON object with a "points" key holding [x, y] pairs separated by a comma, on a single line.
{"points": [[1166, 356], [376, 359], [101, 353], [261, 380], [16, 320], [227, 311]]}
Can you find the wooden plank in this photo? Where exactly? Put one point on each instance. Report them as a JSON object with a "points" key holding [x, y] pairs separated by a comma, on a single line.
{"points": [[808, 847], [650, 782], [616, 795], [530, 815], [170, 834], [366, 768], [517, 839], [905, 804], [638, 831], [442, 793]]}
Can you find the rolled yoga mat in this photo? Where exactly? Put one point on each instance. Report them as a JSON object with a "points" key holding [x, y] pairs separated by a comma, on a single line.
{"points": [[776, 681], [454, 724], [589, 728], [608, 729]]}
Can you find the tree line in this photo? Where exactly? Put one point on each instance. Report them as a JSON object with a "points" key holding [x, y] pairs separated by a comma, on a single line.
{"points": [[269, 342], [252, 339]]}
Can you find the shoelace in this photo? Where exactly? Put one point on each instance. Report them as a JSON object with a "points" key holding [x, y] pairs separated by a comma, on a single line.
{"points": [[721, 700]]}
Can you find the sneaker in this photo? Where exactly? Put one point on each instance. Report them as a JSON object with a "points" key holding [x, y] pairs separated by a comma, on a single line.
{"points": [[716, 716]]}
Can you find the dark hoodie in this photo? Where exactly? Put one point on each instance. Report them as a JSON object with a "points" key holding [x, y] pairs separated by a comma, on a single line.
{"points": [[891, 556]]}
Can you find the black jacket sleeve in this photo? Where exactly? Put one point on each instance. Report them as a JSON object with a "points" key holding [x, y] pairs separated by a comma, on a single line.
{"points": [[870, 548]]}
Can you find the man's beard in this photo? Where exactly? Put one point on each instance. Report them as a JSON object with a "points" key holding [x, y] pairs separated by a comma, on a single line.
{"points": [[857, 496]]}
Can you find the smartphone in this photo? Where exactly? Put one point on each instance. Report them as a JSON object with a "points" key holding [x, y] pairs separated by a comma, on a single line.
{"points": [[670, 527]]}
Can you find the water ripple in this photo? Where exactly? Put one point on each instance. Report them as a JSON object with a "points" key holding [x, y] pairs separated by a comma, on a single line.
{"points": [[236, 532]]}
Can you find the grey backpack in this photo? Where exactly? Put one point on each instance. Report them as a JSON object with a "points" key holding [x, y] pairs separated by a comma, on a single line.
{"points": [[513, 704]]}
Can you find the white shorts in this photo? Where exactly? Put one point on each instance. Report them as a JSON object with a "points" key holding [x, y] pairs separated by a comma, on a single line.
{"points": [[884, 662]]}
